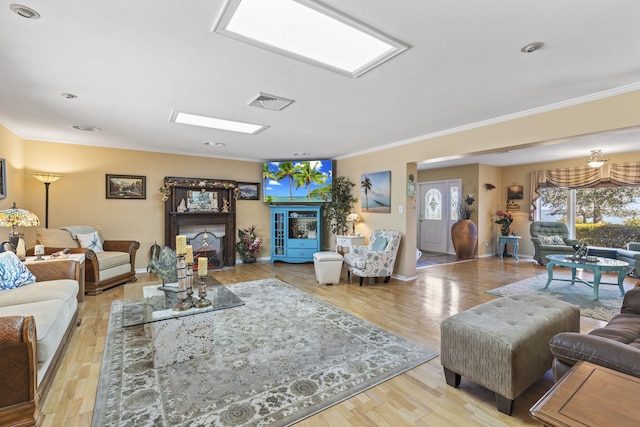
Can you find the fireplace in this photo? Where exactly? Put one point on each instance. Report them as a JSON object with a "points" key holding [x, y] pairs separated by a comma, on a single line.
{"points": [[215, 224], [207, 241]]}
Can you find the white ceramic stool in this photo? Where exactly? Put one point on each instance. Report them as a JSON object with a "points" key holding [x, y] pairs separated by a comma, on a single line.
{"points": [[328, 266]]}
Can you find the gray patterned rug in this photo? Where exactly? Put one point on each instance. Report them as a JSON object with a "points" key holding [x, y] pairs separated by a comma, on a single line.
{"points": [[607, 306], [281, 357]]}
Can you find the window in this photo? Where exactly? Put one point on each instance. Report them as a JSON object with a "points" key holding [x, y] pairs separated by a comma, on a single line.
{"points": [[433, 205]]}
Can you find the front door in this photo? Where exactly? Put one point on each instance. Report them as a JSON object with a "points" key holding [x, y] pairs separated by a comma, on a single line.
{"points": [[434, 217]]}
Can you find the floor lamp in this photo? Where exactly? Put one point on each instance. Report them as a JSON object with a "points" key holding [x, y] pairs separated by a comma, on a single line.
{"points": [[47, 178]]}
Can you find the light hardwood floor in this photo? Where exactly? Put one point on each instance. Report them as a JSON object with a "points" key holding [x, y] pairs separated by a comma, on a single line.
{"points": [[413, 310]]}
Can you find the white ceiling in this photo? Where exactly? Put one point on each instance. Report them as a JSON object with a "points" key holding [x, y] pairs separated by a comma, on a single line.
{"points": [[131, 63]]}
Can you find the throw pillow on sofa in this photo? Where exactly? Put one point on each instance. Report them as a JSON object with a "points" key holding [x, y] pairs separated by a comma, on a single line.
{"points": [[90, 241], [551, 240], [13, 273]]}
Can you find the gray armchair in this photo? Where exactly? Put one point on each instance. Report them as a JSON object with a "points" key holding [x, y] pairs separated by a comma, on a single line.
{"points": [[375, 260], [543, 236]]}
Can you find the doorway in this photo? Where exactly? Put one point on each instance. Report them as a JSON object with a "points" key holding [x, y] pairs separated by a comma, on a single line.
{"points": [[437, 213]]}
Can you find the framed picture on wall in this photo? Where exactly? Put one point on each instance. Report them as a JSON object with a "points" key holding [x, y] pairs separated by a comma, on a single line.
{"points": [[375, 192], [126, 187], [3, 179], [249, 191], [202, 201], [515, 192]]}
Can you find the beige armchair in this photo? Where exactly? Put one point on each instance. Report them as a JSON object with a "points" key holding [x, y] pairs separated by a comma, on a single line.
{"points": [[103, 270]]}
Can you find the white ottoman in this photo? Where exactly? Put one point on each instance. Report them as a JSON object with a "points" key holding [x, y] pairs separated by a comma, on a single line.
{"points": [[328, 266]]}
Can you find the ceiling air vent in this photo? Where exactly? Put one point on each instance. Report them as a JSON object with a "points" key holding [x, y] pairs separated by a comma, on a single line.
{"points": [[270, 102]]}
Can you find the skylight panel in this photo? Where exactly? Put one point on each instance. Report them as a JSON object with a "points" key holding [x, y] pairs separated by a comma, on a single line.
{"points": [[309, 31], [215, 123]]}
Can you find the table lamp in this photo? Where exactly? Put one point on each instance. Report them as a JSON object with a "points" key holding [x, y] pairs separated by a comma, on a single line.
{"points": [[353, 218], [16, 217]]}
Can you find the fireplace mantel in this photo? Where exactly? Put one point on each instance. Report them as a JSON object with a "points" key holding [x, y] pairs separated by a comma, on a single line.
{"points": [[207, 202]]}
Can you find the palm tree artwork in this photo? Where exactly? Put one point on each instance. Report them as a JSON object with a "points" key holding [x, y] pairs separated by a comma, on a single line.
{"points": [[376, 189], [306, 175], [286, 170], [366, 186], [297, 182]]}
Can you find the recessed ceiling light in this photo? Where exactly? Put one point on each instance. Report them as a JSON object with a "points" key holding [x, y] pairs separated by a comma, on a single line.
{"points": [[215, 123], [86, 128], [68, 95], [308, 31], [215, 144], [532, 47], [24, 11]]}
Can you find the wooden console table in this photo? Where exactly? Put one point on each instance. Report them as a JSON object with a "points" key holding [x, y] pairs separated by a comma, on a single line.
{"points": [[590, 395]]}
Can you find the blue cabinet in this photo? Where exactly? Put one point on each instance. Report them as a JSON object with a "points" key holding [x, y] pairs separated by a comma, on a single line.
{"points": [[295, 233]]}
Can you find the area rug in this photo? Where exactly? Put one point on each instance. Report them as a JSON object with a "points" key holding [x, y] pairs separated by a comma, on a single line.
{"points": [[607, 306], [281, 357]]}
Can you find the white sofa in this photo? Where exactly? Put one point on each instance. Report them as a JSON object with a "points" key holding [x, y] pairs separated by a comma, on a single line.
{"points": [[30, 357]]}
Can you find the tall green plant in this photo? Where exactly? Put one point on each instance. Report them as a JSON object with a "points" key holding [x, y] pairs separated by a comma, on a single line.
{"points": [[341, 204]]}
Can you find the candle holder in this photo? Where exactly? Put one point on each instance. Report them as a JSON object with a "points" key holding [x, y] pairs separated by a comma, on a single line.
{"points": [[182, 304], [202, 294], [189, 285]]}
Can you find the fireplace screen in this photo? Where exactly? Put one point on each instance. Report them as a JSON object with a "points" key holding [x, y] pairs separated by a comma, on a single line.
{"points": [[209, 245]]}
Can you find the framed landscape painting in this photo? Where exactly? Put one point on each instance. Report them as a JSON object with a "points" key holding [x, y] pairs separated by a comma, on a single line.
{"points": [[376, 192], [249, 191], [126, 187]]}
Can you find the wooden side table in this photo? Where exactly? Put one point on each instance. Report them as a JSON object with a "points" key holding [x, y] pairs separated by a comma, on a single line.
{"points": [[78, 257], [590, 395], [349, 242]]}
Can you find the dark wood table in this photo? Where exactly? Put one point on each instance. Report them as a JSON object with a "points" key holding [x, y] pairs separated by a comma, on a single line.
{"points": [[590, 395]]}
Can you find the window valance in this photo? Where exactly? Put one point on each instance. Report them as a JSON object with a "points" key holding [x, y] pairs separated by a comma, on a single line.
{"points": [[616, 175]]}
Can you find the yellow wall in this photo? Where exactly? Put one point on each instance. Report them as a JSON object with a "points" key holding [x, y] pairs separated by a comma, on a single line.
{"points": [[79, 196], [11, 149]]}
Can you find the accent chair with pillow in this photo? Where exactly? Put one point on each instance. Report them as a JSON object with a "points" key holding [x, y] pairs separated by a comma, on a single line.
{"points": [[550, 238], [375, 260], [109, 263]]}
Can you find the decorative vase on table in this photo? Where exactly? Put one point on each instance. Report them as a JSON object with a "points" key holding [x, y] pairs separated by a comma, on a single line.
{"points": [[504, 229]]}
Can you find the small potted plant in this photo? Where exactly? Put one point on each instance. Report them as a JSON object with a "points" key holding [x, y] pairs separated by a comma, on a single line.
{"points": [[248, 244]]}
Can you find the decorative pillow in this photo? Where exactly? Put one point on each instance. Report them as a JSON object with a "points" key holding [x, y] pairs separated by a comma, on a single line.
{"points": [[551, 240], [379, 244], [91, 241], [13, 273]]}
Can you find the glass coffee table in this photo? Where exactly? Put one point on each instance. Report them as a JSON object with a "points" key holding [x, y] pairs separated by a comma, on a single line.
{"points": [[598, 265], [177, 336]]}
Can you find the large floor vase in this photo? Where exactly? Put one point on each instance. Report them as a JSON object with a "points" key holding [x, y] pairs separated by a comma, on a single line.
{"points": [[464, 235]]}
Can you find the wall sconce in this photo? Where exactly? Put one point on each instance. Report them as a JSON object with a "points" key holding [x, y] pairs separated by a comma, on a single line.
{"points": [[596, 159], [47, 178]]}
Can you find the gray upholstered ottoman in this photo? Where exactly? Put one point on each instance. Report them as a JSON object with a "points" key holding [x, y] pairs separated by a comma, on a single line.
{"points": [[503, 344]]}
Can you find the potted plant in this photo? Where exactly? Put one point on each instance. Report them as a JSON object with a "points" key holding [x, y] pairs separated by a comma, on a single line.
{"points": [[248, 244], [340, 206], [464, 233], [504, 220]]}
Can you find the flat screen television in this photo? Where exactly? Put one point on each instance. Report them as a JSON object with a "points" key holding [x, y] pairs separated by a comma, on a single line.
{"points": [[297, 182]]}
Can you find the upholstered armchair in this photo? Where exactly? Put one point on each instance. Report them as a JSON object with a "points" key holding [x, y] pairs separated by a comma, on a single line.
{"points": [[108, 263], [375, 260], [550, 238]]}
